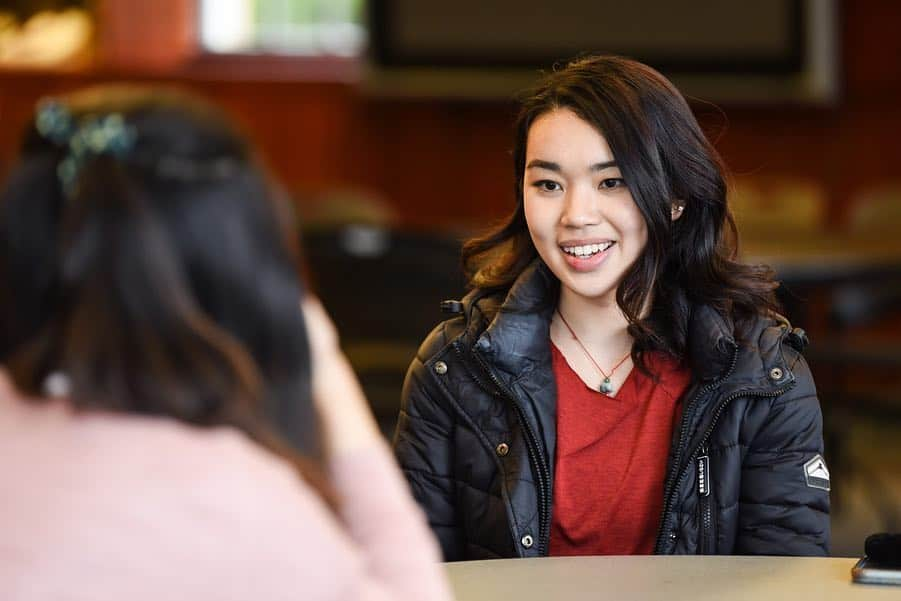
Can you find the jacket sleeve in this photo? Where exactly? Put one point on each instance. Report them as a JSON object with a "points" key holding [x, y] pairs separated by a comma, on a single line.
{"points": [[423, 445], [784, 506]]}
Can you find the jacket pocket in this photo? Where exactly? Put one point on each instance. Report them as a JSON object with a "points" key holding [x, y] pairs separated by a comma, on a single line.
{"points": [[706, 521]]}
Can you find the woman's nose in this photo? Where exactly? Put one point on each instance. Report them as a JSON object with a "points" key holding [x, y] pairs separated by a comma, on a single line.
{"points": [[580, 209]]}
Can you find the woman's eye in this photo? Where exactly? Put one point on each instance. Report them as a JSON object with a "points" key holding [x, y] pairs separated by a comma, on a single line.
{"points": [[547, 185], [612, 182]]}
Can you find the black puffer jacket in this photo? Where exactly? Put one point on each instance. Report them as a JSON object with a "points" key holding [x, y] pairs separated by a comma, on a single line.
{"points": [[476, 435]]}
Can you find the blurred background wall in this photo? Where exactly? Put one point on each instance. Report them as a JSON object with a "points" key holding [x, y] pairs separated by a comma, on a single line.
{"points": [[441, 162], [397, 146]]}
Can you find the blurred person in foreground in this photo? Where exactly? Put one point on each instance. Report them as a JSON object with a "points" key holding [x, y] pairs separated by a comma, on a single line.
{"points": [[616, 382], [152, 324]]}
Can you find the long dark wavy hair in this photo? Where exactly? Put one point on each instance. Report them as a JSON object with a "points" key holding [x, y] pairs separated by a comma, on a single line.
{"points": [[665, 158], [162, 281]]}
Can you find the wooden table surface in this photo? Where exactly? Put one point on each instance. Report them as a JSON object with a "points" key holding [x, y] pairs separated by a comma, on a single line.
{"points": [[666, 578]]}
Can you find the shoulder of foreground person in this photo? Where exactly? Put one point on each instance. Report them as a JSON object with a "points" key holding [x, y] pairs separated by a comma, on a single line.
{"points": [[139, 507], [379, 537]]}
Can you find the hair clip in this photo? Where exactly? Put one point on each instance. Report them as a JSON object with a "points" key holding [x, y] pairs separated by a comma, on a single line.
{"points": [[93, 137], [54, 122], [107, 134]]}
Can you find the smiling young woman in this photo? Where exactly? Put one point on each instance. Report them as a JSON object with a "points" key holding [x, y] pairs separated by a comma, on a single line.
{"points": [[615, 382], [588, 230]]}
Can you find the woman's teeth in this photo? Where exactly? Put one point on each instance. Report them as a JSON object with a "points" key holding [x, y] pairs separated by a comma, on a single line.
{"points": [[586, 250]]}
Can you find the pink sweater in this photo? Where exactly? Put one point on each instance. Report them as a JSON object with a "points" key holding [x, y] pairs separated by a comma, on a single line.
{"points": [[110, 507]]}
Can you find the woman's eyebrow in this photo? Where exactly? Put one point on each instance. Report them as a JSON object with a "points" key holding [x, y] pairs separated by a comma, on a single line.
{"points": [[542, 164], [602, 166], [552, 166]]}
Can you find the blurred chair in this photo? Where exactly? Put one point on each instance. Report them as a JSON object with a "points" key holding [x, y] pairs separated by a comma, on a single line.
{"points": [[383, 288]]}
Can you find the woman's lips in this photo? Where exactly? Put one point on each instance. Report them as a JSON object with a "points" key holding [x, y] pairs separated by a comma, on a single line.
{"points": [[586, 263]]}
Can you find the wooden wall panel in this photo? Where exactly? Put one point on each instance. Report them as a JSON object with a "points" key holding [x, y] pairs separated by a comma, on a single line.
{"points": [[158, 35]]}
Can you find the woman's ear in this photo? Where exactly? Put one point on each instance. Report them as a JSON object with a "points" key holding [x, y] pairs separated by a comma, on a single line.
{"points": [[677, 209]]}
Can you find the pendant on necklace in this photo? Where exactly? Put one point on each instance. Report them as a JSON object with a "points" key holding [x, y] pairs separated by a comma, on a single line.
{"points": [[606, 387]]}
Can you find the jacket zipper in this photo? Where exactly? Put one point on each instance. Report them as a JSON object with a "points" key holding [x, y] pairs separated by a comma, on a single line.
{"points": [[683, 472], [683, 431], [705, 484], [535, 455]]}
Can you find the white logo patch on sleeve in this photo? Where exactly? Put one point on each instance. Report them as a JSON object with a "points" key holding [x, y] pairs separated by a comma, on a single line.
{"points": [[816, 473]]}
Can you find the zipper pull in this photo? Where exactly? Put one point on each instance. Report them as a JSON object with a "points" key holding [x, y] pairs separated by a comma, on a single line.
{"points": [[704, 472]]}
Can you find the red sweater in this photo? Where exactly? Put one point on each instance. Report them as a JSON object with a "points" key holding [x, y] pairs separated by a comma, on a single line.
{"points": [[611, 459]]}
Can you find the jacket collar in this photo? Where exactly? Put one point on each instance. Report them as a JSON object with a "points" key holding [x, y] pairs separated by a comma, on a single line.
{"points": [[711, 343], [516, 336], [517, 333]]}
